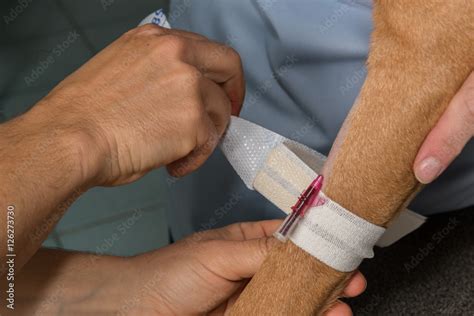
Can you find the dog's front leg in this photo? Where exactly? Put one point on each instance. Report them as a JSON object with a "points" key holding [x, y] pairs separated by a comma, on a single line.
{"points": [[421, 53]]}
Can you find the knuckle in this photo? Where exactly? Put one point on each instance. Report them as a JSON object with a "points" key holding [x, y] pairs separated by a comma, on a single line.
{"points": [[230, 55], [150, 29], [128, 34], [234, 56], [144, 30], [171, 45], [196, 35], [185, 80], [188, 76]]}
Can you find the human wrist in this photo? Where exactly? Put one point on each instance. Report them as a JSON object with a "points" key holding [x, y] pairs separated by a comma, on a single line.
{"points": [[86, 284], [69, 143], [112, 282], [142, 293]]}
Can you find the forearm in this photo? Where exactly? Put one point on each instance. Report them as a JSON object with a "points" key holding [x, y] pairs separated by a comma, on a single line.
{"points": [[42, 174], [66, 283]]}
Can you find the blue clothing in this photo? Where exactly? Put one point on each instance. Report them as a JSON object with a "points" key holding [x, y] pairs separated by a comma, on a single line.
{"points": [[304, 64]]}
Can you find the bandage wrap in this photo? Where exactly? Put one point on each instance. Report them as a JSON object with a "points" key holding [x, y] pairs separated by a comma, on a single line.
{"points": [[280, 169], [328, 232], [336, 237]]}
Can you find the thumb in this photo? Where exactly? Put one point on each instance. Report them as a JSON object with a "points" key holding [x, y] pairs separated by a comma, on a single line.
{"points": [[237, 260], [447, 139]]}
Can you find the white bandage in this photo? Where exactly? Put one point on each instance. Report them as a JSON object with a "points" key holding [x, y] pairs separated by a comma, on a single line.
{"points": [[328, 232], [280, 169], [336, 237]]}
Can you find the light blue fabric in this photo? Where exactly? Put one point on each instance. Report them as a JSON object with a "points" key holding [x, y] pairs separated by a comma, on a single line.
{"points": [[304, 66]]}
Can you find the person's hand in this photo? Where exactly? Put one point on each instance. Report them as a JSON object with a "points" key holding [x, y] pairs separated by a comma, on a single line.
{"points": [[206, 272], [447, 139], [152, 98]]}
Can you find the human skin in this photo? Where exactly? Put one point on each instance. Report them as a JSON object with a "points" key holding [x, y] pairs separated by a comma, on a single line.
{"points": [[449, 136], [201, 274], [153, 98], [150, 99]]}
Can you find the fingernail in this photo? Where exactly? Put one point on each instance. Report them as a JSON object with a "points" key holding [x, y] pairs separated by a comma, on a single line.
{"points": [[428, 170]]}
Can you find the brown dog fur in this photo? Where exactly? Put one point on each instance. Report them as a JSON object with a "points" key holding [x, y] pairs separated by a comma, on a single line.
{"points": [[421, 53]]}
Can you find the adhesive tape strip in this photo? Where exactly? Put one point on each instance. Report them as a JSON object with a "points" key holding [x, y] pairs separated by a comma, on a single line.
{"points": [[282, 174], [328, 232]]}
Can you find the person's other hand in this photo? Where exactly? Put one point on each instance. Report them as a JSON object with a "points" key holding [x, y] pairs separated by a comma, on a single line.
{"points": [[447, 139], [155, 97], [206, 272]]}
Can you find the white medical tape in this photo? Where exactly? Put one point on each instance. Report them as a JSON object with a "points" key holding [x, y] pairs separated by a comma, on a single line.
{"points": [[280, 169], [328, 232]]}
